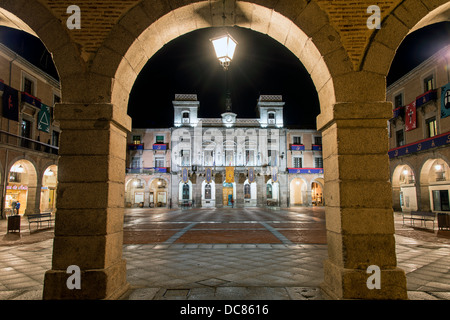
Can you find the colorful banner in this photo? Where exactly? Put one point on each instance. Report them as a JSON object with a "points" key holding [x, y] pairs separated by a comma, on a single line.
{"points": [[445, 101], [135, 147], [251, 175], [159, 147], [44, 118], [397, 112], [427, 96], [297, 147], [410, 116], [31, 100], [208, 175], [229, 171], [185, 175], [160, 170], [10, 103], [317, 147], [305, 170], [436, 141], [274, 174]]}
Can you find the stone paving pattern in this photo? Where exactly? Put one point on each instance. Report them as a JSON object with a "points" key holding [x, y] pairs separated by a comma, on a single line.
{"points": [[225, 254]]}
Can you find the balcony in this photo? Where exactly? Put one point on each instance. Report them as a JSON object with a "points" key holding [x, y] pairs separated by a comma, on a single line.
{"points": [[305, 170], [426, 97], [13, 140], [133, 146], [316, 147], [160, 146], [147, 170], [297, 147], [28, 98]]}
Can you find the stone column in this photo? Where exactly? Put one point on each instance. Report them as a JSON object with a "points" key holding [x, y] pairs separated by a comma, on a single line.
{"points": [[89, 219], [359, 215], [33, 200], [219, 190]]}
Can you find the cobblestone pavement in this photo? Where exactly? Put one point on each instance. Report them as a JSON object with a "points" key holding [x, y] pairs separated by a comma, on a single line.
{"points": [[225, 254]]}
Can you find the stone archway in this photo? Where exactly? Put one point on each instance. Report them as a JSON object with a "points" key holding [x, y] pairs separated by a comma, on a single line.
{"points": [[434, 184], [404, 192], [48, 188], [96, 82], [304, 28], [23, 186]]}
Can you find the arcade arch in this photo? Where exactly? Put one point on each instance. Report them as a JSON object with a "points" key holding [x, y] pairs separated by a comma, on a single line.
{"points": [[21, 186], [435, 185], [298, 189], [94, 109], [404, 191], [48, 189]]}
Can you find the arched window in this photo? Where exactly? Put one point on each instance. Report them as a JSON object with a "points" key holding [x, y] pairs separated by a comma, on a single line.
{"points": [[185, 191], [208, 192], [247, 194], [269, 191]]}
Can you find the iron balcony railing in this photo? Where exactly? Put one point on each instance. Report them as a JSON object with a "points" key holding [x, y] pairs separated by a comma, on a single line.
{"points": [[14, 140]]}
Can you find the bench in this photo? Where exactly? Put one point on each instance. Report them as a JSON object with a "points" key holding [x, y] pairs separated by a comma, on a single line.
{"points": [[39, 218], [423, 216]]}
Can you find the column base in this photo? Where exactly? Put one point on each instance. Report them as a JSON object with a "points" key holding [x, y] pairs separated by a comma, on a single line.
{"points": [[347, 284], [107, 284]]}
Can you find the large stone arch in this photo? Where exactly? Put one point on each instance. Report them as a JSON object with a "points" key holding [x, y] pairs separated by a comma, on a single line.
{"points": [[89, 223], [360, 228], [33, 17], [302, 26], [408, 16]]}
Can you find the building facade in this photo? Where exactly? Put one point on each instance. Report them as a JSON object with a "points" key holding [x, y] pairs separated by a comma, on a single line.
{"points": [[419, 136], [29, 135], [305, 167], [226, 161], [148, 174]]}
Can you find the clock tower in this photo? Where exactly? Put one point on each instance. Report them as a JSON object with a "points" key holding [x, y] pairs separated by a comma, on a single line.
{"points": [[229, 119]]}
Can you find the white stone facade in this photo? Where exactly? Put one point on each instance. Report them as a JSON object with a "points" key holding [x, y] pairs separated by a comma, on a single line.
{"points": [[226, 161]]}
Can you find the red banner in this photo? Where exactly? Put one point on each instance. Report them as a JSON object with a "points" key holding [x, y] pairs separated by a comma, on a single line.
{"points": [[410, 117]]}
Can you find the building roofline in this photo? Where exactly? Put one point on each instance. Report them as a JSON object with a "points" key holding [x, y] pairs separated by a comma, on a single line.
{"points": [[422, 65]]}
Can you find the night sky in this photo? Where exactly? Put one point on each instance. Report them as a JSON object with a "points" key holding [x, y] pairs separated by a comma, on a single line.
{"points": [[188, 65], [261, 66]]}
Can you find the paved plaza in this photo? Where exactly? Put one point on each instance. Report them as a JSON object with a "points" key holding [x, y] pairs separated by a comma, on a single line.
{"points": [[249, 253]]}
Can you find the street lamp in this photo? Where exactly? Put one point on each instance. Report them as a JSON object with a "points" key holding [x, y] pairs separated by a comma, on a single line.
{"points": [[225, 47]]}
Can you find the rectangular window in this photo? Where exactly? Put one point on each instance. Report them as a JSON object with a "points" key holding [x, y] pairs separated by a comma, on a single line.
{"points": [[318, 140], [431, 127], [208, 157], [318, 162], [441, 200], [250, 157], [136, 139], [159, 162], [28, 86], [185, 158], [159, 139], [398, 101], [136, 163], [55, 138], [298, 162], [400, 138], [297, 140], [428, 84]]}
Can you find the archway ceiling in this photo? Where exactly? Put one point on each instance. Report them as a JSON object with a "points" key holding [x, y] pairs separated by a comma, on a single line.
{"points": [[7, 19], [348, 18]]}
